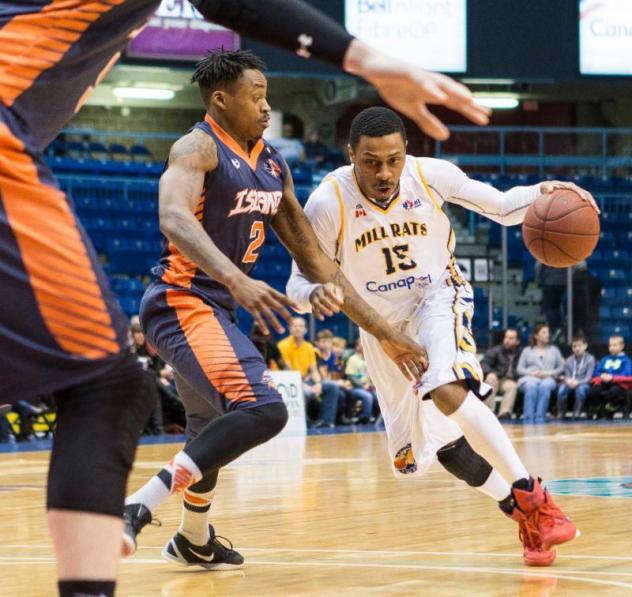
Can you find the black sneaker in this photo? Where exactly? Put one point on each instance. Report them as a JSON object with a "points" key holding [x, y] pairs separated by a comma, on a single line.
{"points": [[136, 517], [212, 556]]}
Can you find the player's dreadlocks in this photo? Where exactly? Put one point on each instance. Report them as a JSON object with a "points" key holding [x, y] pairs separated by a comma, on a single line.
{"points": [[220, 67], [375, 122]]}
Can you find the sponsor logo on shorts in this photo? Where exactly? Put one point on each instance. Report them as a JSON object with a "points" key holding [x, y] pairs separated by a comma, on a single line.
{"points": [[404, 460], [266, 378], [418, 282]]}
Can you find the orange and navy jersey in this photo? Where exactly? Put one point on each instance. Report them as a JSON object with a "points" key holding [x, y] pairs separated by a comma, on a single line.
{"points": [[240, 198], [54, 52]]}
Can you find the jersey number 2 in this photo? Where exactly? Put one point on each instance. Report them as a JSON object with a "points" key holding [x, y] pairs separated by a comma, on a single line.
{"points": [[258, 235], [404, 262]]}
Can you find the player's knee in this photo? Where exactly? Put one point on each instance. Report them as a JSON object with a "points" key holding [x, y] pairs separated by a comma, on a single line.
{"points": [[459, 459], [272, 417], [98, 426]]}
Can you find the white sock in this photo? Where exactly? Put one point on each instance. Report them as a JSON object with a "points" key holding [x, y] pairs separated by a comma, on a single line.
{"points": [[194, 521], [487, 437], [155, 491], [185, 472], [495, 487]]}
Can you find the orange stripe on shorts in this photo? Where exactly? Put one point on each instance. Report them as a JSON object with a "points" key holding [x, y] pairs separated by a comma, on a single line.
{"points": [[47, 235], [211, 347], [41, 39]]}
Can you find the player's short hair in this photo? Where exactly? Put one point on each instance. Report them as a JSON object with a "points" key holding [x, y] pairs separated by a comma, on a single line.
{"points": [[222, 67], [375, 122], [325, 335]]}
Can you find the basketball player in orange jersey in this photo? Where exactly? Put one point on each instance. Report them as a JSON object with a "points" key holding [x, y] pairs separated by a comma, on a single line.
{"points": [[61, 329]]}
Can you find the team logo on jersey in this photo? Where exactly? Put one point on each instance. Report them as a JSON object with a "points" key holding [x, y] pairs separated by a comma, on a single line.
{"points": [[409, 204], [359, 211], [236, 163], [252, 200], [271, 167]]}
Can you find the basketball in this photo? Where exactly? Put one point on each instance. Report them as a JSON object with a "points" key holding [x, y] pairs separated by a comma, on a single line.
{"points": [[560, 229]]}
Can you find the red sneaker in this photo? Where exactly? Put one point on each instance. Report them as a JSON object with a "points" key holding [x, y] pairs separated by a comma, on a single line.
{"points": [[538, 505], [533, 552]]}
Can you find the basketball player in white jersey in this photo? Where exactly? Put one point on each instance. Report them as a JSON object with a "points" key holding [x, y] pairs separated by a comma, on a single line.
{"points": [[381, 219]]}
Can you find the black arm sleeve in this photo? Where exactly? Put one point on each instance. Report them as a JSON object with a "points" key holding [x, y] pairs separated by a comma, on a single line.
{"points": [[289, 24]]}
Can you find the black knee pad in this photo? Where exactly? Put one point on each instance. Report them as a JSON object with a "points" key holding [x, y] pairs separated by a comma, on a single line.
{"points": [[459, 459], [98, 426], [272, 418]]}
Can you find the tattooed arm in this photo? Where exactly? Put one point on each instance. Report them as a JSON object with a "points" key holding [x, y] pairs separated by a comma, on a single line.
{"points": [[181, 186], [293, 229]]}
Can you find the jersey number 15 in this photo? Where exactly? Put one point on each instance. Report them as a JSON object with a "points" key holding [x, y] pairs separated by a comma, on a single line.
{"points": [[397, 258]]}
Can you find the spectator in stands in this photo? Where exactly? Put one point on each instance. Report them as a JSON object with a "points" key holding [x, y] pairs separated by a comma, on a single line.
{"points": [[539, 366], [578, 371], [6, 434], [326, 360], [300, 355], [500, 369], [553, 284], [338, 376], [151, 364], [315, 149], [289, 146], [613, 378], [268, 348], [173, 413], [586, 299], [357, 373]]}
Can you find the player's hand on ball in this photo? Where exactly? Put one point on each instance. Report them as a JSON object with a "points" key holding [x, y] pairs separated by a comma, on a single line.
{"points": [[551, 185], [326, 300], [411, 358]]}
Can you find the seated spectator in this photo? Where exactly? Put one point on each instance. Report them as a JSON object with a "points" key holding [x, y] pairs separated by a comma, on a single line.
{"points": [[6, 433], [499, 367], [300, 355], [613, 378], [268, 348], [339, 348], [578, 371], [357, 374], [539, 366], [326, 360], [315, 149], [173, 413], [151, 364]]}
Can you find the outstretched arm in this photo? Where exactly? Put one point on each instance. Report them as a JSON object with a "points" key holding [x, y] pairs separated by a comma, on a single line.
{"points": [[294, 231], [310, 33], [181, 187], [507, 208]]}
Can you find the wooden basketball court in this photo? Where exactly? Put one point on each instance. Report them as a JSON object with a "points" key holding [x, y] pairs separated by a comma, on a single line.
{"points": [[325, 516]]}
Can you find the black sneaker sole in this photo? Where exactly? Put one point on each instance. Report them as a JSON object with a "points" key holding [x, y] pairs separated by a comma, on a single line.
{"points": [[210, 566]]}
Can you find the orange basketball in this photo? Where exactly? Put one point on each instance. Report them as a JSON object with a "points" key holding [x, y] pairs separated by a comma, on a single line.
{"points": [[560, 229]]}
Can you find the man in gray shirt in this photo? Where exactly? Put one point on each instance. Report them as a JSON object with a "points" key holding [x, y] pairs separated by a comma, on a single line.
{"points": [[578, 371]]}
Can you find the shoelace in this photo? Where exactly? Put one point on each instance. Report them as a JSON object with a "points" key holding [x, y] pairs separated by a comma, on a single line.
{"points": [[529, 535], [550, 513], [138, 524], [223, 548]]}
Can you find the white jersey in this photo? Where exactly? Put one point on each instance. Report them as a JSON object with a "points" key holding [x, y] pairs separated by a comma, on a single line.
{"points": [[399, 258], [392, 253]]}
